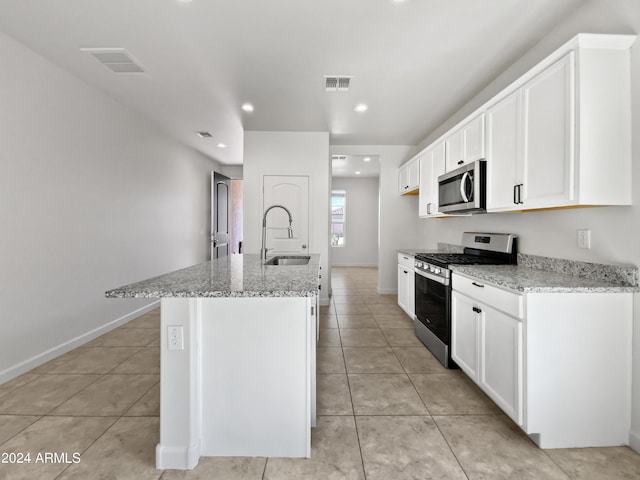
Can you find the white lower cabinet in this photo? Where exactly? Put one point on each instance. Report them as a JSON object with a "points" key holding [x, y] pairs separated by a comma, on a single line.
{"points": [[465, 327], [487, 345], [406, 284], [558, 364], [501, 365]]}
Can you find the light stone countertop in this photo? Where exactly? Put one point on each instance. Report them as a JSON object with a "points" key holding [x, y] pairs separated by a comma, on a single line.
{"points": [[526, 280], [232, 276]]}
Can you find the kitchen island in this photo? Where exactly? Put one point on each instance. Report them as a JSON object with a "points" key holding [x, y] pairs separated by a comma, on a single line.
{"points": [[237, 363]]}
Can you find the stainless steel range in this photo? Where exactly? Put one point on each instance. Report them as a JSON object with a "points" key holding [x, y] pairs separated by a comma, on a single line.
{"points": [[433, 285]]}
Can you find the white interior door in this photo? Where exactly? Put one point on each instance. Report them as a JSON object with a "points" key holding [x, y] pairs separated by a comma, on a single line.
{"points": [[291, 192]]}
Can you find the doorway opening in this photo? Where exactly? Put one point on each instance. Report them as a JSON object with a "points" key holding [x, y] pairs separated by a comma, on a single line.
{"points": [[226, 216], [355, 186]]}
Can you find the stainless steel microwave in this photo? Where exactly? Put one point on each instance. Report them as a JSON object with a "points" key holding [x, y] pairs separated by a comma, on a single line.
{"points": [[464, 189]]}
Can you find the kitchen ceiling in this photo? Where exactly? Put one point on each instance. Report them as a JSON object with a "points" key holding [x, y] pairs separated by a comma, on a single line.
{"points": [[357, 166], [413, 65]]}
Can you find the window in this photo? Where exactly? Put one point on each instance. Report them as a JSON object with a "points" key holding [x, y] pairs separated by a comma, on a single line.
{"points": [[338, 198]]}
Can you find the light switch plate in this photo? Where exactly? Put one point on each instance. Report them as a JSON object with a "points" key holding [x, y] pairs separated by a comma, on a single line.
{"points": [[175, 337], [584, 238]]}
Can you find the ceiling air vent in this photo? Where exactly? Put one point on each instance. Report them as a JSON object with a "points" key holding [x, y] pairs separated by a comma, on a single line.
{"points": [[338, 157], [204, 134], [117, 60], [337, 83]]}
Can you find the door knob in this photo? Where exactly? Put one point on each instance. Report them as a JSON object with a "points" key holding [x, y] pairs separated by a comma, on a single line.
{"points": [[304, 245]]}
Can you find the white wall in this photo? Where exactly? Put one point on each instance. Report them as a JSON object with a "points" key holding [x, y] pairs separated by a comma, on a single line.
{"points": [[397, 215], [615, 230], [289, 153], [232, 171], [361, 222], [91, 197]]}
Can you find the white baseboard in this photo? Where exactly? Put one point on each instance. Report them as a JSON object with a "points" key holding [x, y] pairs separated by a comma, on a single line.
{"points": [[387, 291], [37, 360], [634, 441], [178, 458]]}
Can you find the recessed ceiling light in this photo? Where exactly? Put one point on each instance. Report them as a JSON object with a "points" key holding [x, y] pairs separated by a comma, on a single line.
{"points": [[361, 108], [184, 1], [357, 173], [398, 2], [366, 159], [222, 145], [203, 134], [247, 107]]}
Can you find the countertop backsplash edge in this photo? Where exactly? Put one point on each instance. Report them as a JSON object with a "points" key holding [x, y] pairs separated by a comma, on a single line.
{"points": [[620, 274]]}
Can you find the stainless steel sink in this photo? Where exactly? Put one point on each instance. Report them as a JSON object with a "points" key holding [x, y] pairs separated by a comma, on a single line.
{"points": [[288, 260]]}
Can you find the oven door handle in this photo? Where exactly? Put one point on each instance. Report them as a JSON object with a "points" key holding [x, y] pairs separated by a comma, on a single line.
{"points": [[435, 278]]}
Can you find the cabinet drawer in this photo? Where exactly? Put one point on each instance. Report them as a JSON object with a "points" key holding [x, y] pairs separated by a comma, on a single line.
{"points": [[405, 260], [508, 302]]}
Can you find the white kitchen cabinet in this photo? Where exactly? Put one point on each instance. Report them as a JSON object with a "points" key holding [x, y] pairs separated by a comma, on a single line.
{"points": [[549, 127], [531, 161], [406, 284], [465, 329], [466, 143], [549, 360], [487, 346], [504, 153], [560, 135], [409, 177], [501, 365], [432, 165]]}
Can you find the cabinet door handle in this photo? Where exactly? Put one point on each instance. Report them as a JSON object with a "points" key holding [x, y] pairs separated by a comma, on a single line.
{"points": [[477, 284], [520, 193], [460, 162], [406, 258], [428, 208], [406, 271], [515, 195], [477, 310]]}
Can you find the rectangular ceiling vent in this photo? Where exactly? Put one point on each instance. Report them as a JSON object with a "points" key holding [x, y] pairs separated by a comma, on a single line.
{"points": [[337, 83], [204, 134], [117, 60], [338, 157]]}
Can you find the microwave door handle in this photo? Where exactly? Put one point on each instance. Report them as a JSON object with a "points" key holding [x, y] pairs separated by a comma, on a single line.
{"points": [[463, 184]]}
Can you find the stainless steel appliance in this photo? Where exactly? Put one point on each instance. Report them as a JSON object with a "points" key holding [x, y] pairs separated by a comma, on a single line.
{"points": [[433, 286], [463, 190]]}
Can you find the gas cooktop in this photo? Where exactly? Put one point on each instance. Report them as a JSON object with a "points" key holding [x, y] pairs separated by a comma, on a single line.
{"points": [[445, 259]]}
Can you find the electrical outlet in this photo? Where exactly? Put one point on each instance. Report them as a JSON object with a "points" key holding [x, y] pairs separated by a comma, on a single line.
{"points": [[175, 337], [584, 238]]}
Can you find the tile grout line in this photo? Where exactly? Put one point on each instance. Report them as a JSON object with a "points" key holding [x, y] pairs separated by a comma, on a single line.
{"points": [[18, 433], [355, 423], [91, 444], [555, 463], [451, 449]]}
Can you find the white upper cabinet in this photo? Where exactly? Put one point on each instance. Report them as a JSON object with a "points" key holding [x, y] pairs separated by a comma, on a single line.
{"points": [[409, 177], [549, 125], [432, 164], [466, 143], [530, 137], [504, 149], [559, 136]]}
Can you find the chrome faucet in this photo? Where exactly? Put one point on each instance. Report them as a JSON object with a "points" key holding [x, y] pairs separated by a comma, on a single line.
{"points": [[263, 250]]}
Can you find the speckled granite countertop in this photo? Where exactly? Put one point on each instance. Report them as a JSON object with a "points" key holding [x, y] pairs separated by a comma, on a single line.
{"points": [[526, 279], [412, 251], [232, 276]]}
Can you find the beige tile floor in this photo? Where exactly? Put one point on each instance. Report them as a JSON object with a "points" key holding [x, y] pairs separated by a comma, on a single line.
{"points": [[387, 411]]}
